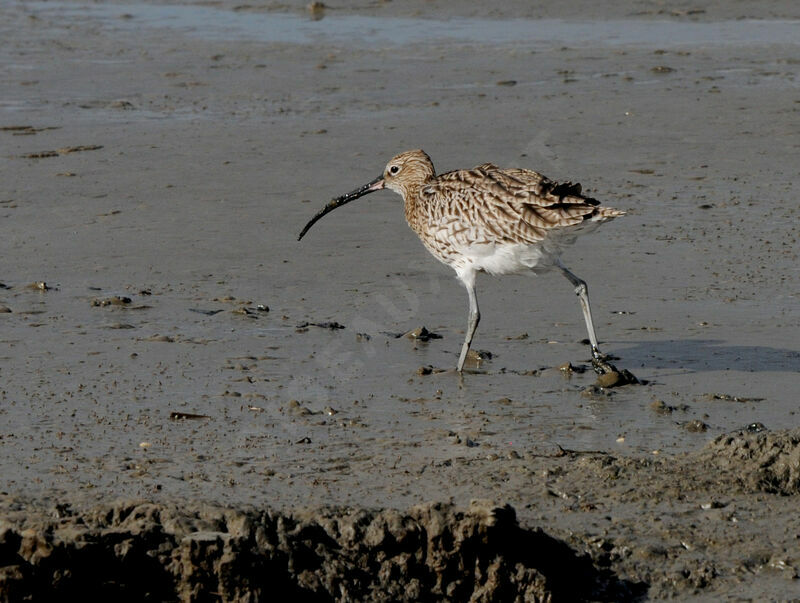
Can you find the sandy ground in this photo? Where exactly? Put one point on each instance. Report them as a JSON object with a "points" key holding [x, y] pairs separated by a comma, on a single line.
{"points": [[158, 162]]}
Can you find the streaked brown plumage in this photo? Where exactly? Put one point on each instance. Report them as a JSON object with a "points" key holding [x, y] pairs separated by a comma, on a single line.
{"points": [[500, 221]]}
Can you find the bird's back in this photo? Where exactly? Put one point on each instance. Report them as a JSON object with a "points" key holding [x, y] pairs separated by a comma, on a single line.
{"points": [[488, 205]]}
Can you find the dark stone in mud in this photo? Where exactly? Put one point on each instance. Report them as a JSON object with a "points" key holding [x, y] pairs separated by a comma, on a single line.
{"points": [[331, 325], [595, 391], [696, 426], [114, 300], [660, 407], [729, 398], [205, 312], [142, 551], [422, 334]]}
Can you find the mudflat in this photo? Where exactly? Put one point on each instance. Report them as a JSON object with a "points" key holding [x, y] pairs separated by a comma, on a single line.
{"points": [[173, 361]]}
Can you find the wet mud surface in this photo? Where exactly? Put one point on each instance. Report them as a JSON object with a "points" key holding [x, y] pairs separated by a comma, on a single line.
{"points": [[650, 528], [174, 363]]}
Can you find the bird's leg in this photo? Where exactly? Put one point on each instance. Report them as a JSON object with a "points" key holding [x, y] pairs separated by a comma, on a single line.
{"points": [[474, 319], [599, 362]]}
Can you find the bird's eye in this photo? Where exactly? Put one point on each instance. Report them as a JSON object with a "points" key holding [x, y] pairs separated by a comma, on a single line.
{"points": [[394, 169]]}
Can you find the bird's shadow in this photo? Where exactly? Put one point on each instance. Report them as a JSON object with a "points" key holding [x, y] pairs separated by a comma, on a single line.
{"points": [[707, 355]]}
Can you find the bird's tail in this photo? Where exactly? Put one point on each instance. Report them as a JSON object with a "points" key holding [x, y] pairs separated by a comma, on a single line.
{"points": [[601, 214]]}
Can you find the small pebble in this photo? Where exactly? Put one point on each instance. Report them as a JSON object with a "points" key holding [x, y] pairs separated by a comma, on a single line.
{"points": [[660, 407], [696, 426], [609, 379]]}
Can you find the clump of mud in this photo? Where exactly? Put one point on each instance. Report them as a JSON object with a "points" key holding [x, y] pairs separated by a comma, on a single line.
{"points": [[763, 461], [143, 551]]}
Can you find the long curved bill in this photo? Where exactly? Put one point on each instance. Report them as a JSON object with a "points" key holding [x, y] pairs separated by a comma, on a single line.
{"points": [[370, 187]]}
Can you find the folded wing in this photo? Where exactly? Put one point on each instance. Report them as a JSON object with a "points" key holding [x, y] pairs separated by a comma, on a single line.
{"points": [[507, 205]]}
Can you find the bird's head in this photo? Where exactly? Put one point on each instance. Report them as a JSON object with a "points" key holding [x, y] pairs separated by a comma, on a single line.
{"points": [[404, 174]]}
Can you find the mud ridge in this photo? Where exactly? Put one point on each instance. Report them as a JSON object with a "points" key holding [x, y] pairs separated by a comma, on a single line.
{"points": [[145, 551]]}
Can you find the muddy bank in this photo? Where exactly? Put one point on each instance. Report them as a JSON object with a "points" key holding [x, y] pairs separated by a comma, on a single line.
{"points": [[430, 552], [435, 551]]}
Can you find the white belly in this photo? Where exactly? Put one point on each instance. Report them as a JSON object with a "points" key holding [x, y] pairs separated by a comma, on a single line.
{"points": [[503, 258]]}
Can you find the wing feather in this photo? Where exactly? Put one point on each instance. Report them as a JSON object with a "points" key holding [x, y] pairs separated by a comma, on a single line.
{"points": [[506, 205]]}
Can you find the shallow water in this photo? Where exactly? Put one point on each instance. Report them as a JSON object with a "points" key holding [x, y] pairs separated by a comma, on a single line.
{"points": [[367, 31]]}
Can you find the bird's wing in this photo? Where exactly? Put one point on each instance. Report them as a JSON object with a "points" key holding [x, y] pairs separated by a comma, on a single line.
{"points": [[506, 205]]}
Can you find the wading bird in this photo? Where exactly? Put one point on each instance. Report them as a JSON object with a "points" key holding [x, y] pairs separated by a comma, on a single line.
{"points": [[489, 219]]}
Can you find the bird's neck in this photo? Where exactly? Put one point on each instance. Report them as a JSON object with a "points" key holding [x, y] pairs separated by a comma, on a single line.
{"points": [[414, 205]]}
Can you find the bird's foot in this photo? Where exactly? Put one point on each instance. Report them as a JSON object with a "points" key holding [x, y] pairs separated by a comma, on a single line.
{"points": [[610, 375], [600, 363]]}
